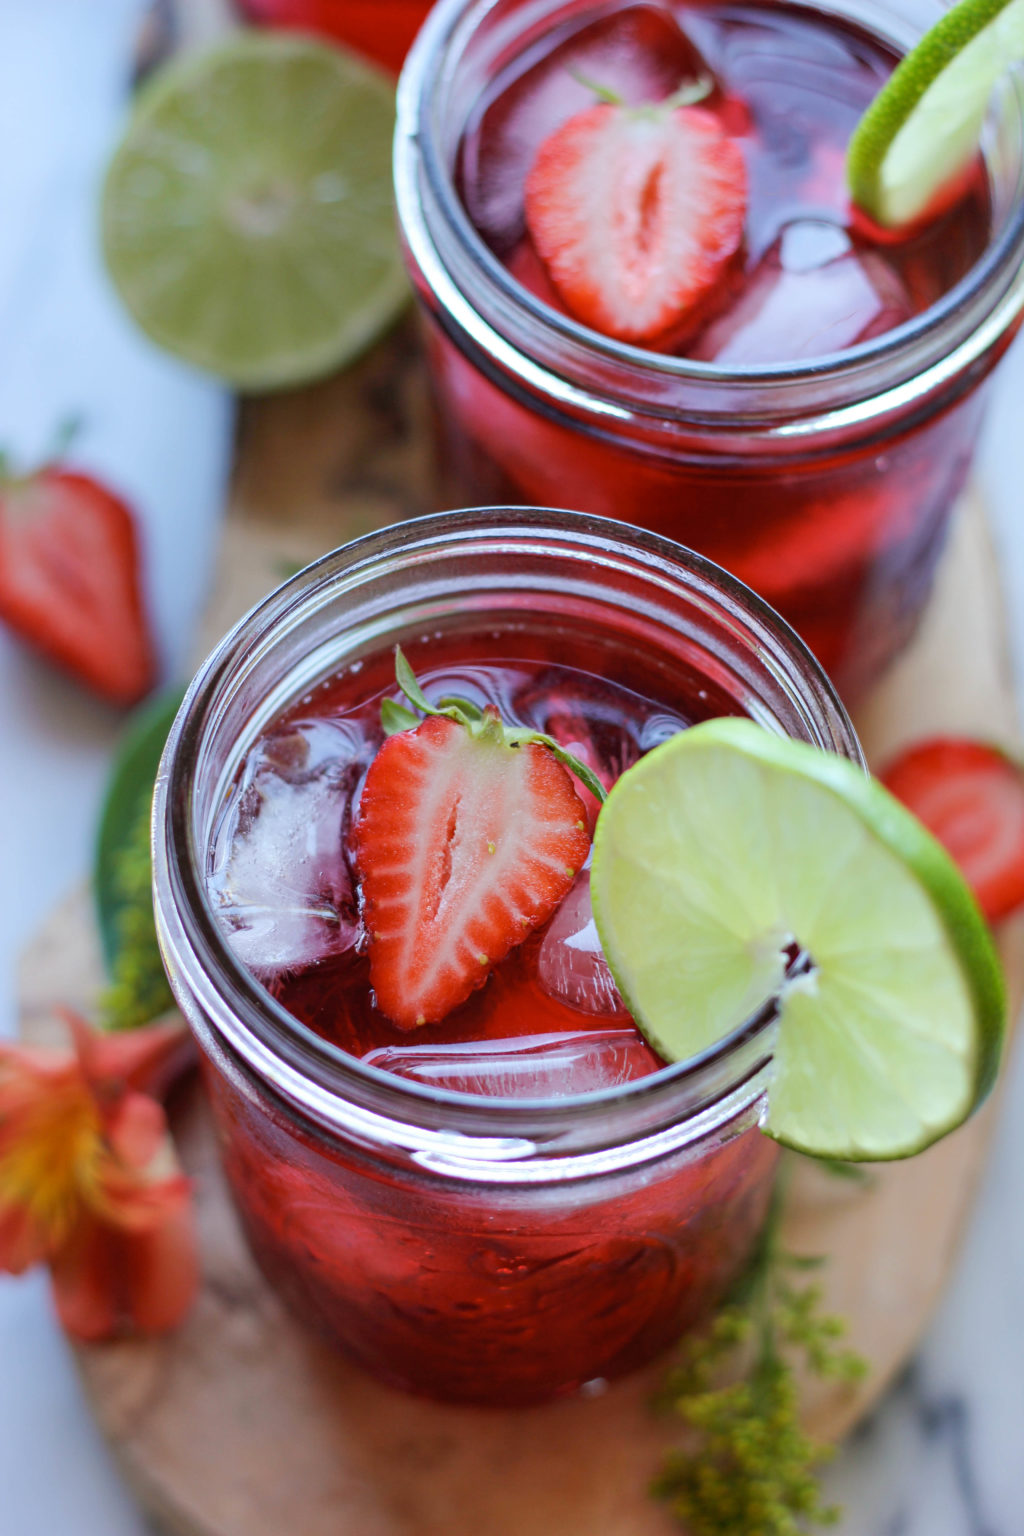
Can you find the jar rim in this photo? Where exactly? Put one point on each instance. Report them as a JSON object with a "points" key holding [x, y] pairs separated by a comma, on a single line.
{"points": [[935, 345], [254, 1024]]}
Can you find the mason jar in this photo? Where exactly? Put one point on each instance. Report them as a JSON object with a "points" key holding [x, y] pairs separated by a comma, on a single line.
{"points": [[825, 484], [480, 1249]]}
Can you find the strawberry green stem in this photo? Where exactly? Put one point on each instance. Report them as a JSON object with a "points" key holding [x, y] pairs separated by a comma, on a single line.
{"points": [[689, 93], [61, 440], [602, 92], [685, 95], [485, 724], [67, 431]]}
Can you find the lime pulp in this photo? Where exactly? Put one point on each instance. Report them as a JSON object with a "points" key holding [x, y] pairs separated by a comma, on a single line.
{"points": [[247, 213], [726, 850], [923, 128]]}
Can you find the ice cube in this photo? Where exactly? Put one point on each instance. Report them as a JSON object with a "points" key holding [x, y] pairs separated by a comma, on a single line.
{"points": [[280, 881], [640, 52], [601, 724], [571, 966], [812, 293], [529, 1066], [658, 728]]}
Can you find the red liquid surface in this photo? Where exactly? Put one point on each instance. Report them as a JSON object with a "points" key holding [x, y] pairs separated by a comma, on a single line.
{"points": [[790, 86], [457, 1290], [382, 29], [304, 777], [842, 538]]}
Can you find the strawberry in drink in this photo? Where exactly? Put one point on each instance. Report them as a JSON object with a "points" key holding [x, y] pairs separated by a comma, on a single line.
{"points": [[663, 307], [451, 1148], [422, 901]]}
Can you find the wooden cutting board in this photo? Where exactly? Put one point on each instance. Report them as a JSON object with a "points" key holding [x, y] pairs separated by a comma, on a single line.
{"points": [[240, 1425]]}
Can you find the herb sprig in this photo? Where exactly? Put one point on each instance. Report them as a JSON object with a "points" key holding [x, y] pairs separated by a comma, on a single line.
{"points": [[748, 1468]]}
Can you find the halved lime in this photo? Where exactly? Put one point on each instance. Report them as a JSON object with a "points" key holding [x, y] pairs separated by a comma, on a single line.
{"points": [[247, 213], [727, 846], [922, 129]]}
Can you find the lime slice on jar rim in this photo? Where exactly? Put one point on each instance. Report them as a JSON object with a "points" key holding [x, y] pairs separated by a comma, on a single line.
{"points": [[725, 848], [247, 214], [922, 130]]}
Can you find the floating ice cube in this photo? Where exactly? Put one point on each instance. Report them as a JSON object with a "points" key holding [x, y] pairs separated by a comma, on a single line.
{"points": [[658, 728], [529, 1066], [605, 726], [640, 52], [812, 293], [280, 881], [571, 966]]}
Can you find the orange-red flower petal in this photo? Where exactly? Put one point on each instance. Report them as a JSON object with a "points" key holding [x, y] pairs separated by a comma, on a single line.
{"points": [[108, 1281], [135, 1129], [146, 1059], [89, 1180], [161, 1273]]}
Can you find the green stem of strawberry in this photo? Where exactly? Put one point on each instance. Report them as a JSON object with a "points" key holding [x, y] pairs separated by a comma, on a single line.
{"points": [[67, 431], [482, 723], [686, 95], [602, 92], [64, 435], [689, 93]]}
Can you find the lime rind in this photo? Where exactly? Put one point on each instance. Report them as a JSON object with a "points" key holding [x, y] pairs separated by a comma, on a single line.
{"points": [[923, 128], [247, 214], [727, 844]]}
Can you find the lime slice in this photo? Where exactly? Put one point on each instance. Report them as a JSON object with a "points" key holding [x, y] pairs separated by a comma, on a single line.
{"points": [[247, 214], [727, 845], [922, 129]]}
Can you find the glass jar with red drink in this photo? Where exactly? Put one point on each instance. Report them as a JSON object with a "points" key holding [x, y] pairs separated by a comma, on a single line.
{"points": [[381, 29], [522, 1198], [815, 432]]}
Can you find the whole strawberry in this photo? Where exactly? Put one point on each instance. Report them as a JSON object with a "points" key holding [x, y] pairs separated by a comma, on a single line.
{"points": [[469, 835], [69, 580]]}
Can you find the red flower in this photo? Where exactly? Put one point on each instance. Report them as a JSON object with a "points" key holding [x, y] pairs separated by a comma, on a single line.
{"points": [[89, 1181]]}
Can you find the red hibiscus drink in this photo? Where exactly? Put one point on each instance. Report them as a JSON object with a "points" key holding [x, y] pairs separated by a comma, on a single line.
{"points": [[451, 1149], [646, 295]]}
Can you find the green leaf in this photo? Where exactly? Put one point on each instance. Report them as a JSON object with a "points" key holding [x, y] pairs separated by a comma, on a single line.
{"points": [[586, 775], [139, 990], [395, 718], [464, 707], [409, 684], [462, 711], [481, 724], [602, 92], [129, 788], [689, 93]]}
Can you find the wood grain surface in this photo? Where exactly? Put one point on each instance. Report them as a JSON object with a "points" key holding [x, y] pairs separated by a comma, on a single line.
{"points": [[240, 1425]]}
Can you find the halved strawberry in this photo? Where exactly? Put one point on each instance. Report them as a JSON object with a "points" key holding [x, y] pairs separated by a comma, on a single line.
{"points": [[69, 580], [971, 797], [467, 838], [635, 212]]}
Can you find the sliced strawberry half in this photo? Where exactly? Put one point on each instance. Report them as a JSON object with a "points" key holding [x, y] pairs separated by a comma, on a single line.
{"points": [[464, 842], [635, 212], [69, 580], [971, 797]]}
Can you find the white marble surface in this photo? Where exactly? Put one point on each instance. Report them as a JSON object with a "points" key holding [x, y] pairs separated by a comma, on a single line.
{"points": [[161, 435], [945, 1454]]}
